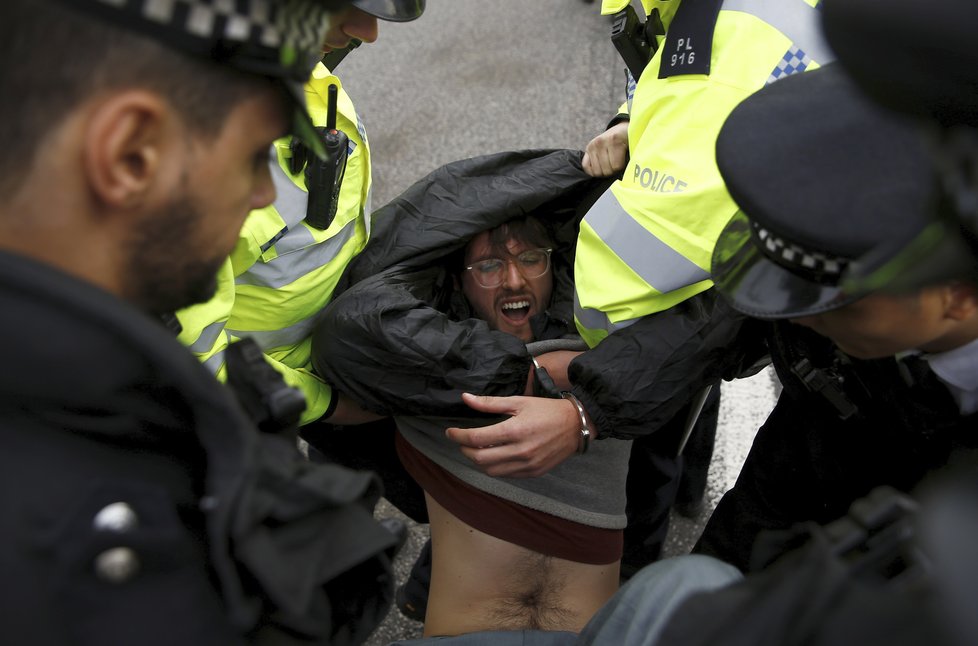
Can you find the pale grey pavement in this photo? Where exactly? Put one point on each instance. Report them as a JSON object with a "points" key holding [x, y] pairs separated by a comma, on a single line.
{"points": [[473, 77]]}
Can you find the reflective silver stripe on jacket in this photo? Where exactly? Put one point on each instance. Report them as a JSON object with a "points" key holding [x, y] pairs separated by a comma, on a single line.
{"points": [[205, 342], [298, 252], [214, 363], [284, 337], [208, 337], [658, 264], [287, 269], [290, 200], [596, 319], [792, 19]]}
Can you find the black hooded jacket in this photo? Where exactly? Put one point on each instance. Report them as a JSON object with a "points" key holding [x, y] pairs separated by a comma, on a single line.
{"points": [[397, 341], [402, 340]]}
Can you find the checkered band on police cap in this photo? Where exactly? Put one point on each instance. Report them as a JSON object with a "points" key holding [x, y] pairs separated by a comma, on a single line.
{"points": [[817, 266], [280, 38]]}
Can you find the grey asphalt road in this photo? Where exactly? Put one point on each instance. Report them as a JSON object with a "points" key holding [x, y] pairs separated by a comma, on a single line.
{"points": [[473, 77]]}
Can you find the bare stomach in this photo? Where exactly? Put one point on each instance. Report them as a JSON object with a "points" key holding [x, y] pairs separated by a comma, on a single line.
{"points": [[479, 582]]}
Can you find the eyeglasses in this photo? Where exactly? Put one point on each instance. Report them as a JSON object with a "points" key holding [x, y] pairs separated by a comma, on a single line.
{"points": [[491, 272]]}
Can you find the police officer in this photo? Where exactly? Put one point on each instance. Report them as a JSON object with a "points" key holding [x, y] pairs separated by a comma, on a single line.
{"points": [[287, 262], [290, 255], [658, 334], [935, 78], [142, 506], [850, 417]]}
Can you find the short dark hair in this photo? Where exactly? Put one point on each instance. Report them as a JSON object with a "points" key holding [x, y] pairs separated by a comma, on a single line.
{"points": [[529, 230], [54, 58]]}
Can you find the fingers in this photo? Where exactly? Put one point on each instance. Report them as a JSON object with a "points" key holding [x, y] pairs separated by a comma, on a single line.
{"points": [[605, 162], [617, 158], [485, 436], [479, 438], [593, 154], [486, 404], [594, 162], [588, 166], [494, 451], [606, 154], [509, 460]]}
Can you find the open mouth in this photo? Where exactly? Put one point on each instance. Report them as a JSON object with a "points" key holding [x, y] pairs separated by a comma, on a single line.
{"points": [[516, 311]]}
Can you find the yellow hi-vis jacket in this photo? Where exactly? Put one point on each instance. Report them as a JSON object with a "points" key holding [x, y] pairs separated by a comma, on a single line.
{"points": [[645, 245], [282, 272]]}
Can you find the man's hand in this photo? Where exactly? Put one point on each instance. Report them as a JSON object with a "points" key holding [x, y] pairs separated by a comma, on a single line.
{"points": [[607, 153], [541, 434]]}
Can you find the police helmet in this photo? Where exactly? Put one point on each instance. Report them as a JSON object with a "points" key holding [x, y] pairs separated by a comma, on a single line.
{"points": [[393, 10], [278, 39], [825, 179]]}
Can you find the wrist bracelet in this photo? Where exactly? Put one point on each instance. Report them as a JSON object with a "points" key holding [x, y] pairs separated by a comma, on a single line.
{"points": [[585, 442]]}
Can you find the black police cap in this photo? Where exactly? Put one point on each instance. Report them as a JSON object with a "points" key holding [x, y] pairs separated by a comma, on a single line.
{"points": [[920, 57], [393, 10], [278, 39], [823, 177]]}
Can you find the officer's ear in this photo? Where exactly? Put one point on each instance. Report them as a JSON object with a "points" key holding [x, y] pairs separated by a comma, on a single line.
{"points": [[125, 138], [962, 300]]}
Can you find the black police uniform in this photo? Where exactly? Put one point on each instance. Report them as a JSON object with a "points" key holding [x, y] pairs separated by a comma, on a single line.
{"points": [[809, 462], [143, 508], [841, 426], [935, 74], [815, 198]]}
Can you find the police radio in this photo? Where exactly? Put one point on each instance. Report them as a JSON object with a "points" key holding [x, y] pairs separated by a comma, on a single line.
{"points": [[324, 177], [635, 40]]}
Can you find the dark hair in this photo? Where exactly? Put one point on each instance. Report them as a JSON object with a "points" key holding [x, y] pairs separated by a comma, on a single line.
{"points": [[528, 230], [54, 58]]}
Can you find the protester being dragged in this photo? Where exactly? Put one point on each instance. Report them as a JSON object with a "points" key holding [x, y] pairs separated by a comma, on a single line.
{"points": [[453, 317]]}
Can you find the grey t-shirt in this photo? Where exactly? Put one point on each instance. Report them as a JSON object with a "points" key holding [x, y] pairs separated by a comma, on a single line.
{"points": [[587, 489]]}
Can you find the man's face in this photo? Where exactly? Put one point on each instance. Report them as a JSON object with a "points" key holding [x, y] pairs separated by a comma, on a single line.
{"points": [[178, 247], [882, 325], [508, 306]]}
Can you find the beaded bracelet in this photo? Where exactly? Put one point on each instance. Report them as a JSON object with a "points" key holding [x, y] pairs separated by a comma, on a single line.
{"points": [[585, 442]]}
